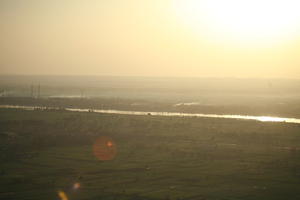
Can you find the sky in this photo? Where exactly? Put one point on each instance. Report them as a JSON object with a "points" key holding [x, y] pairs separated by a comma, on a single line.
{"points": [[189, 38]]}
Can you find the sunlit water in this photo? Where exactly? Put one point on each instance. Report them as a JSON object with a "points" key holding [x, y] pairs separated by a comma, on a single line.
{"points": [[245, 117]]}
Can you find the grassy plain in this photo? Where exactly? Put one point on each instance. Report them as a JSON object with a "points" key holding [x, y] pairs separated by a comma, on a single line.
{"points": [[43, 152]]}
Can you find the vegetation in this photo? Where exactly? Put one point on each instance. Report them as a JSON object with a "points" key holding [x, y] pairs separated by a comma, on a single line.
{"points": [[43, 152]]}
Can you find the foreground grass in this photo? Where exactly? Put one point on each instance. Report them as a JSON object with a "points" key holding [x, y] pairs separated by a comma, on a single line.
{"points": [[158, 157]]}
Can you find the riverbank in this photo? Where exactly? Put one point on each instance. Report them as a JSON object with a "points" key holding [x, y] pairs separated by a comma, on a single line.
{"points": [[284, 110]]}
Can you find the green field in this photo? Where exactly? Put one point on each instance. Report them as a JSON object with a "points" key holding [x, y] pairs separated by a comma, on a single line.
{"points": [[43, 152]]}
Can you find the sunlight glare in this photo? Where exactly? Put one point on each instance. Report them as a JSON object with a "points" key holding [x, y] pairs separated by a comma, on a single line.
{"points": [[270, 119], [255, 20]]}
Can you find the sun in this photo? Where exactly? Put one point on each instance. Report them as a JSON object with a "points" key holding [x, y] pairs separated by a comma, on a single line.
{"points": [[252, 20]]}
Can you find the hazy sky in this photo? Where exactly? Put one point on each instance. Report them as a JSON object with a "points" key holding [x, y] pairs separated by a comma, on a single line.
{"points": [[151, 37]]}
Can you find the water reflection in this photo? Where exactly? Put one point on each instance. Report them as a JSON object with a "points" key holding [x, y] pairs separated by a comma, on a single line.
{"points": [[246, 117]]}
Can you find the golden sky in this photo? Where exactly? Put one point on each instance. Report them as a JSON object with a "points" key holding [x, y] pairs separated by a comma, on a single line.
{"points": [[199, 38]]}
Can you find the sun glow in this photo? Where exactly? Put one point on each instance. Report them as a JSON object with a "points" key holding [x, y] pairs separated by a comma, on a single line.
{"points": [[254, 21]]}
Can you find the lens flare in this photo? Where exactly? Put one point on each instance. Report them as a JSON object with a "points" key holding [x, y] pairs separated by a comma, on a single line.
{"points": [[104, 148], [109, 144], [62, 195], [76, 186]]}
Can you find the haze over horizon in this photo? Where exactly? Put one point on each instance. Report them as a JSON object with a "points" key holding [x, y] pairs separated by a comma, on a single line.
{"points": [[165, 38]]}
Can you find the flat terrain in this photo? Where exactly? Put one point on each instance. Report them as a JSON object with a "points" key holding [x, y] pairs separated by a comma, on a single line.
{"points": [[43, 152], [275, 97]]}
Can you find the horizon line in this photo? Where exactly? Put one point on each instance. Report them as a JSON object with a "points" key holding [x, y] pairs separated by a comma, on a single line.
{"points": [[150, 76]]}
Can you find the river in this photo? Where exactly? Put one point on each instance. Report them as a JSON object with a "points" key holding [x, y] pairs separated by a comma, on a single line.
{"points": [[168, 114]]}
